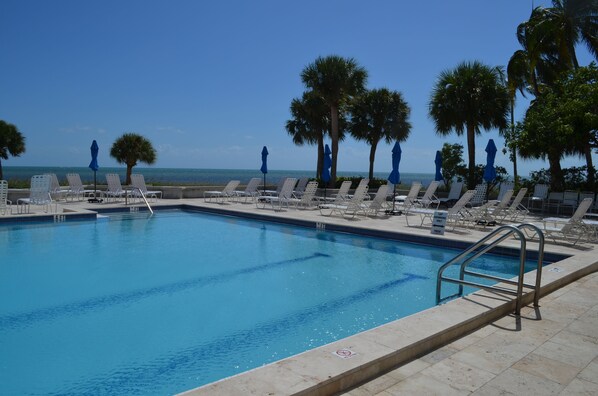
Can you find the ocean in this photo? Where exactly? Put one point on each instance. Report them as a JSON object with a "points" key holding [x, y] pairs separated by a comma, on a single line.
{"points": [[185, 176]]}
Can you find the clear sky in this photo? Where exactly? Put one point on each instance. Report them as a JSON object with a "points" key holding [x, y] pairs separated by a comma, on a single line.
{"points": [[210, 82]]}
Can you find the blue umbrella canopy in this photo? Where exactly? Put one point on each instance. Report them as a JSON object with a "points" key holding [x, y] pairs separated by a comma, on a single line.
{"points": [[327, 164], [93, 165], [264, 168], [438, 162], [489, 170], [395, 176]]}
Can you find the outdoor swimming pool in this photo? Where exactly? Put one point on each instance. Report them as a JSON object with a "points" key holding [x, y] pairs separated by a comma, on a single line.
{"points": [[158, 305]]}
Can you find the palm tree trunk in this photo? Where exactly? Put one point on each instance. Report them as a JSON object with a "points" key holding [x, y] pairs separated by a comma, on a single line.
{"points": [[513, 146], [557, 182], [334, 138], [1, 173], [590, 164], [320, 156], [471, 156], [372, 158], [129, 171]]}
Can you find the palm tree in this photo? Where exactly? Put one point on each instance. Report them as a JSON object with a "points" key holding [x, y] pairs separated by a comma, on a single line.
{"points": [[336, 80], [568, 23], [310, 122], [379, 114], [131, 148], [467, 98], [12, 143]]}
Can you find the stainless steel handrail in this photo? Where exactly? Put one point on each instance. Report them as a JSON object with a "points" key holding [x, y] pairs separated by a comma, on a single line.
{"points": [[480, 248], [142, 196]]}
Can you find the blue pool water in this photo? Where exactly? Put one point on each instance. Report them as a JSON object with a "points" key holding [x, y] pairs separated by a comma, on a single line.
{"points": [[158, 305]]}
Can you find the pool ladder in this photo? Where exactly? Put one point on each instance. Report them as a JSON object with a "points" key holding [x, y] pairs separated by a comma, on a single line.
{"points": [[483, 246], [142, 197]]}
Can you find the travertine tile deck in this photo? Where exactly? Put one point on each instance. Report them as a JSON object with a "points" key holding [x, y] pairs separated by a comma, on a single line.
{"points": [[552, 350]]}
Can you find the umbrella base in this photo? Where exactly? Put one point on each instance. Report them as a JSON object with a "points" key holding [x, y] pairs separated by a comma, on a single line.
{"points": [[394, 212], [95, 200]]}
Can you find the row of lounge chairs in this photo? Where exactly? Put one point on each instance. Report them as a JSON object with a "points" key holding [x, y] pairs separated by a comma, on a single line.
{"points": [[45, 191]]}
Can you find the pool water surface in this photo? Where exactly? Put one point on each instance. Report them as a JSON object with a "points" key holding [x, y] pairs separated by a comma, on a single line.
{"points": [[133, 304]]}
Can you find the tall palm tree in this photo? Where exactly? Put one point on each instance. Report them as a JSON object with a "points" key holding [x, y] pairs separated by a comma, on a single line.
{"points": [[12, 143], [470, 97], [568, 23], [379, 114], [337, 80], [131, 148], [310, 122]]}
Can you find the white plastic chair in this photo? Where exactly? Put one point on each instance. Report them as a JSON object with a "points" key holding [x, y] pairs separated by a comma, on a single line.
{"points": [[5, 203], [284, 198], [56, 192], [570, 230], [138, 182], [429, 199], [539, 196], [39, 194], [250, 192], [454, 193], [227, 192], [350, 207], [115, 189], [76, 189], [480, 194], [308, 198]]}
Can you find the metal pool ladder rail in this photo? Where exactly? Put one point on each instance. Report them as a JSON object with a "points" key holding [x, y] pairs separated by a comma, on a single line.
{"points": [[483, 246], [142, 196]]}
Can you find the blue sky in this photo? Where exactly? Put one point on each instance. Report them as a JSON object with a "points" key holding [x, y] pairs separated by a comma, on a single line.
{"points": [[210, 82]]}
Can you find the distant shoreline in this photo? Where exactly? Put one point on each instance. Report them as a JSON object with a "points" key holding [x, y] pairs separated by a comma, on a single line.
{"points": [[189, 176]]}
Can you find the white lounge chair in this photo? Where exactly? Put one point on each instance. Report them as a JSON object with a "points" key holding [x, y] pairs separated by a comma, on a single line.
{"points": [[500, 211], [406, 201], [56, 192], [570, 230], [570, 199], [138, 182], [363, 182], [457, 215], [454, 193], [114, 189], [5, 203], [76, 189], [348, 208], [539, 196], [517, 212], [39, 194], [429, 199], [227, 192], [479, 197], [250, 192], [300, 187], [341, 195], [308, 199], [378, 203], [504, 187], [284, 198]]}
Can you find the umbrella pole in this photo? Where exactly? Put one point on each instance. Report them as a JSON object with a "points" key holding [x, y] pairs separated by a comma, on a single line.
{"points": [[264, 184]]}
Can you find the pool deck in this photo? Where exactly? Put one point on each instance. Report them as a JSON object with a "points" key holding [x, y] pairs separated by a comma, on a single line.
{"points": [[471, 345]]}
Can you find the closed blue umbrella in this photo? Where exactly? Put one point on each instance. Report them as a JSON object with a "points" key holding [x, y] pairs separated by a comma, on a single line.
{"points": [[395, 176], [93, 165], [264, 168], [438, 162], [489, 170], [326, 167]]}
